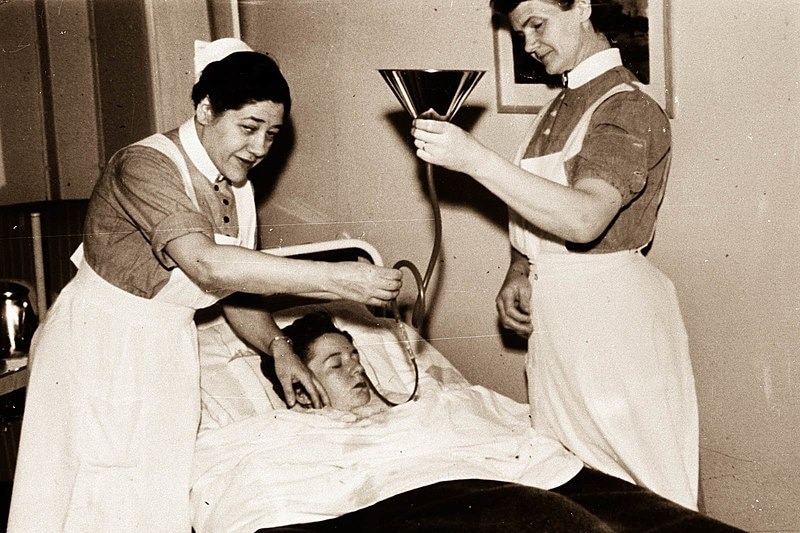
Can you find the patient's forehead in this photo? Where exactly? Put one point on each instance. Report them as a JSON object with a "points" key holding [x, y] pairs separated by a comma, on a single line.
{"points": [[329, 345]]}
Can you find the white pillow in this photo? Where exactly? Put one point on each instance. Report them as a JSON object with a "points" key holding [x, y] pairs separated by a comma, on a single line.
{"points": [[233, 387]]}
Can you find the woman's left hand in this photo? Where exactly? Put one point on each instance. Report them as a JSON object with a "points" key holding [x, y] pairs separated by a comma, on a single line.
{"points": [[445, 144]]}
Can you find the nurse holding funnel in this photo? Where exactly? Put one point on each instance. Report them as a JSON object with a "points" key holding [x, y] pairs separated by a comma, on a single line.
{"points": [[608, 365]]}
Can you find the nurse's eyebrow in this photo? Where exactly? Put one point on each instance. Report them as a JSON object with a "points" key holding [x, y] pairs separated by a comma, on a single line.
{"points": [[262, 121], [249, 117]]}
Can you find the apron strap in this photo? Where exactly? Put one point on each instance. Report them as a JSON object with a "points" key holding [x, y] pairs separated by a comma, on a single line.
{"points": [[164, 145], [583, 125], [161, 143], [528, 137]]}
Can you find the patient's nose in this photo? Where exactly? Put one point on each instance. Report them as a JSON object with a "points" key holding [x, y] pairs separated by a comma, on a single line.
{"points": [[356, 368]]}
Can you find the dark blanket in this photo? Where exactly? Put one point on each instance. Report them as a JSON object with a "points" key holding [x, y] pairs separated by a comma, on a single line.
{"points": [[591, 502]]}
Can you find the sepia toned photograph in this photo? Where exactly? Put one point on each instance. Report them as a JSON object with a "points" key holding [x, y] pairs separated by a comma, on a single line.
{"points": [[281, 266]]}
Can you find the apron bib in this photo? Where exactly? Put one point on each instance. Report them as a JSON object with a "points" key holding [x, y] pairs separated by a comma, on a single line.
{"points": [[609, 373], [117, 376]]}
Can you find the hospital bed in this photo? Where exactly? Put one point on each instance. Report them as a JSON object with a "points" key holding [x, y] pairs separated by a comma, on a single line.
{"points": [[458, 457]]}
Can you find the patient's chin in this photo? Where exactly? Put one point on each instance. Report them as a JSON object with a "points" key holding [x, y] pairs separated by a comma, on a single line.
{"points": [[357, 397]]}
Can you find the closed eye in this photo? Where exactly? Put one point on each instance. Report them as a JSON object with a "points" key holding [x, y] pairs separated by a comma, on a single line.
{"points": [[536, 23]]}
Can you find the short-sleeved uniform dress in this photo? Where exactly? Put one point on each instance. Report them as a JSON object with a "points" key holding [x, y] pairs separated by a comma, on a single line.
{"points": [[608, 367], [113, 402]]}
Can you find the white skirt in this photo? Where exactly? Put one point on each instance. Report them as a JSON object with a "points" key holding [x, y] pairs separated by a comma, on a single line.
{"points": [[111, 415], [609, 373]]}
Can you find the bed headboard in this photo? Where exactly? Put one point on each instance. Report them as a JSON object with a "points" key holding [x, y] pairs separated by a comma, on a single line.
{"points": [[333, 251], [234, 382]]}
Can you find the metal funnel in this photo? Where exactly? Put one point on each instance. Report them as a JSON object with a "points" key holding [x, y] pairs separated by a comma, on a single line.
{"points": [[439, 91]]}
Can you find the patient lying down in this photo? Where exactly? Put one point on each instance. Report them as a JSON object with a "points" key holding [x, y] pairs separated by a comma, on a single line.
{"points": [[329, 353], [458, 458]]}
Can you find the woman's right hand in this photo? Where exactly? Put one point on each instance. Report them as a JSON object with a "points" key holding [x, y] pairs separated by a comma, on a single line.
{"points": [[299, 384], [216, 267], [364, 282], [514, 303]]}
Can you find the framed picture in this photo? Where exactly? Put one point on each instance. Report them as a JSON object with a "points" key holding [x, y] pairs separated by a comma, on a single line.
{"points": [[639, 28]]}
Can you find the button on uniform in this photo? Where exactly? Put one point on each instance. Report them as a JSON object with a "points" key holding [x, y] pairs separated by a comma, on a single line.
{"points": [[222, 186]]}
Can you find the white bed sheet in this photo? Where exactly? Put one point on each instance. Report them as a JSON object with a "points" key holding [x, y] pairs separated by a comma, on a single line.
{"points": [[261, 465]]}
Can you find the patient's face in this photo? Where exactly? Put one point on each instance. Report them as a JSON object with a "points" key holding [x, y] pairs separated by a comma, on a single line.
{"points": [[336, 364]]}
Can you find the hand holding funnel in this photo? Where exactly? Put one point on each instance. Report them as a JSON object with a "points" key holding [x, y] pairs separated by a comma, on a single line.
{"points": [[432, 94]]}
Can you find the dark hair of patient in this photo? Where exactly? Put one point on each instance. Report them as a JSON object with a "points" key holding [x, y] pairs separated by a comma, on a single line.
{"points": [[302, 332], [308, 328], [239, 79]]}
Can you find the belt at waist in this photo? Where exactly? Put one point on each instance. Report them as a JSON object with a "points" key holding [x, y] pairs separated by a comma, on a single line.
{"points": [[565, 264]]}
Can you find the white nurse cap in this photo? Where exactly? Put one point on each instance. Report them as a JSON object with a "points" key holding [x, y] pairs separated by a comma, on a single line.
{"points": [[207, 52]]}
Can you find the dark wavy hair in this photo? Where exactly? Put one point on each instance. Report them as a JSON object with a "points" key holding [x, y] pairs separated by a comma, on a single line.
{"points": [[308, 328], [239, 79]]}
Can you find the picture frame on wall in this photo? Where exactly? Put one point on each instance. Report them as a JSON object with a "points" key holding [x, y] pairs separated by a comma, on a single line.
{"points": [[639, 28]]}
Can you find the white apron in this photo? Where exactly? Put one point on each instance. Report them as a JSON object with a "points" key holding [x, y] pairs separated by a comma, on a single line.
{"points": [[113, 401], [608, 367]]}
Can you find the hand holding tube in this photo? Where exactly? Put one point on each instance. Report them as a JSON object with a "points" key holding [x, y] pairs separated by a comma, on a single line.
{"points": [[362, 282]]}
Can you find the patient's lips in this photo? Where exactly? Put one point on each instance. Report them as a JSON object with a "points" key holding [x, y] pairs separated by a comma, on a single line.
{"points": [[361, 383], [360, 392]]}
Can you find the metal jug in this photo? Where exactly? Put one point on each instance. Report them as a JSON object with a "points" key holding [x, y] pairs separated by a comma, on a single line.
{"points": [[18, 320]]}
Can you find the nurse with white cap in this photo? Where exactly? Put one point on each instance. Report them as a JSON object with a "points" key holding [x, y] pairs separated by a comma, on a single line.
{"points": [[113, 402]]}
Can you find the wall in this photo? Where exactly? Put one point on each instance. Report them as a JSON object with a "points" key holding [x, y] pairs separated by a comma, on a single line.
{"points": [[728, 238], [83, 78], [122, 62], [727, 234], [21, 106], [48, 100], [172, 27], [71, 113]]}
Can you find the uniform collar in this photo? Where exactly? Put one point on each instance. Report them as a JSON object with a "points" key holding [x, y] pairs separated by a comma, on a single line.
{"points": [[196, 152], [593, 66]]}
